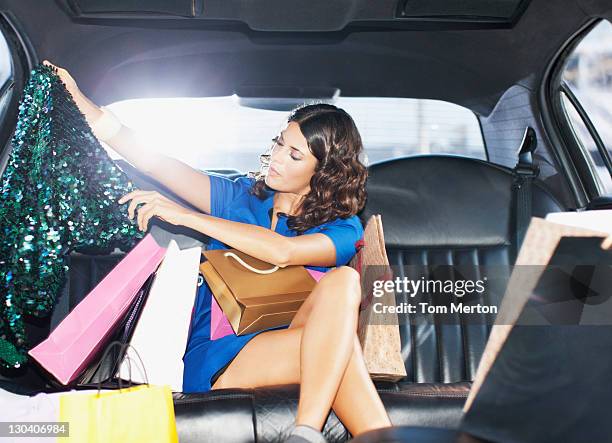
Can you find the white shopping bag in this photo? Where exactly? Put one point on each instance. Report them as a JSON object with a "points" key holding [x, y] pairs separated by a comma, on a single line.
{"points": [[33, 411], [160, 336]]}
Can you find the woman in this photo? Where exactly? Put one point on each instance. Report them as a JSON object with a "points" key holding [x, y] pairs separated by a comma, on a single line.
{"points": [[301, 212]]}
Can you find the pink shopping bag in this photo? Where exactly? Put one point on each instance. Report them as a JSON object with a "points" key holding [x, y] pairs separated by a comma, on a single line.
{"points": [[75, 341], [220, 325]]}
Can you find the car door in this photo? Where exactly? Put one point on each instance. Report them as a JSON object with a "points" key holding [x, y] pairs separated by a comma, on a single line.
{"points": [[582, 105]]}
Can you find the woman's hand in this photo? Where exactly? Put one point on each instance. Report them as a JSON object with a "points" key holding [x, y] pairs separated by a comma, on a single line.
{"points": [[65, 77], [89, 109], [155, 205]]}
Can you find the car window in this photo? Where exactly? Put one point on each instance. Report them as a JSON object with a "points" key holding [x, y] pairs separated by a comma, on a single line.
{"points": [[6, 69], [219, 133], [587, 79], [593, 157], [6, 79]]}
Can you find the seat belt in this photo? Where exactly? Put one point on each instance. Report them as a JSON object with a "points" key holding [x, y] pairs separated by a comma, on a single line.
{"points": [[523, 175]]}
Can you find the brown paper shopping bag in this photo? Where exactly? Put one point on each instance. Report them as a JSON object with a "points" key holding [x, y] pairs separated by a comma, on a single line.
{"points": [[380, 342], [252, 294]]}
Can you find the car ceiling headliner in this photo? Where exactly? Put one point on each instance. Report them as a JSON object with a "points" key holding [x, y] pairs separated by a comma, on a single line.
{"points": [[120, 59]]}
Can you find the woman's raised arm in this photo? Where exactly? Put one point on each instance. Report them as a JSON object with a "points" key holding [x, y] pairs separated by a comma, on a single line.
{"points": [[188, 183]]}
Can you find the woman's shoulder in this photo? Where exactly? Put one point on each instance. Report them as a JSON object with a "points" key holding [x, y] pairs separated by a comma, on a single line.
{"points": [[345, 233], [227, 192], [225, 187], [353, 222], [242, 180], [245, 180]]}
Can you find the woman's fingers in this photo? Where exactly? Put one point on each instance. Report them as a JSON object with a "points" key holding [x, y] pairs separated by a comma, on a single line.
{"points": [[135, 200], [137, 197], [141, 213], [145, 213], [132, 208], [127, 197], [152, 200], [62, 73], [133, 194], [137, 193], [155, 205], [65, 77]]}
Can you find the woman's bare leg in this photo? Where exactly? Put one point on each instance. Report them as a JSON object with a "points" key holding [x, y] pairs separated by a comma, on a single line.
{"points": [[324, 327], [357, 403]]}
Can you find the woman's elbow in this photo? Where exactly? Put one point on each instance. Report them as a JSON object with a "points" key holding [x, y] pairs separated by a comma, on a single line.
{"points": [[283, 260], [283, 255]]}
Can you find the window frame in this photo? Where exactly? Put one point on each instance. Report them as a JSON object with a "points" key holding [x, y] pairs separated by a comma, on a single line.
{"points": [[585, 154], [484, 140], [588, 123], [572, 156], [23, 59]]}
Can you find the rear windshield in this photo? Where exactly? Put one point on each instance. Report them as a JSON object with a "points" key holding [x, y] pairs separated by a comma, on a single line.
{"points": [[219, 133]]}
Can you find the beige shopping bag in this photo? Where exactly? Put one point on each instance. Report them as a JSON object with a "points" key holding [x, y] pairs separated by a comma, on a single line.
{"points": [[380, 342], [541, 239]]}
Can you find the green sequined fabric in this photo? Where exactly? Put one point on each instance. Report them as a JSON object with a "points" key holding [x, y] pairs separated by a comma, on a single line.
{"points": [[59, 193]]}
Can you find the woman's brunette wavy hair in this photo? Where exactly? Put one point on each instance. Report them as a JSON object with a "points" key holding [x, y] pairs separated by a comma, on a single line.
{"points": [[337, 187]]}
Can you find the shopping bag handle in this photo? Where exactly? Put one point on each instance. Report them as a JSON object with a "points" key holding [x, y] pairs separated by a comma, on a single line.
{"points": [[248, 266], [123, 346]]}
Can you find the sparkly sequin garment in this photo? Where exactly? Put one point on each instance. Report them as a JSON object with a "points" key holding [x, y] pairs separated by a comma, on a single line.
{"points": [[59, 192]]}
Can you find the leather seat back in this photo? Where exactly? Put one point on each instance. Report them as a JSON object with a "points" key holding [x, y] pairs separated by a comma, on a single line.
{"points": [[446, 210]]}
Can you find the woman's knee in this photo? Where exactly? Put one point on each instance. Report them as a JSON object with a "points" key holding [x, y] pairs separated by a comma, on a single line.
{"points": [[345, 282], [350, 274], [338, 285], [344, 275]]}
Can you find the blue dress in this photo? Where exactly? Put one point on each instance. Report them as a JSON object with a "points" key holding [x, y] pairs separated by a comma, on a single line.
{"points": [[205, 359]]}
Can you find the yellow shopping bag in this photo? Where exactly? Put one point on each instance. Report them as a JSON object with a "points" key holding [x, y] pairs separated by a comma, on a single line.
{"points": [[143, 413]]}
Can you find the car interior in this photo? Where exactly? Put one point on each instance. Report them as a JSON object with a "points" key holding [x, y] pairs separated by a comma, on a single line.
{"points": [[503, 61]]}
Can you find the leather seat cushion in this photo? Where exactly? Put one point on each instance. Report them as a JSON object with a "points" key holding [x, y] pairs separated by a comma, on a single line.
{"points": [[269, 412]]}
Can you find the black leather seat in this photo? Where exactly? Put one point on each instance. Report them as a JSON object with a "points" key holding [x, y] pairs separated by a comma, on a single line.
{"points": [[447, 210], [267, 414], [435, 210]]}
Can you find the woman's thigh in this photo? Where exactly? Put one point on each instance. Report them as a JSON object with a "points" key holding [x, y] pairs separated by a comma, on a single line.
{"points": [[273, 357], [270, 358]]}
